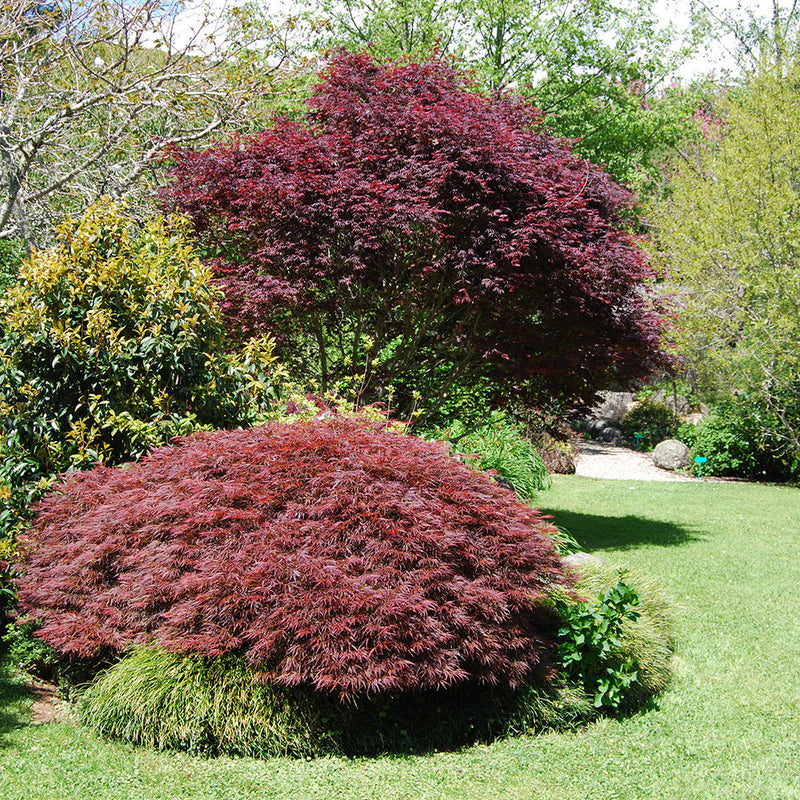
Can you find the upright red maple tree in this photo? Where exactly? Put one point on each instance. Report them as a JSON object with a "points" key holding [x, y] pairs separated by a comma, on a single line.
{"points": [[411, 231]]}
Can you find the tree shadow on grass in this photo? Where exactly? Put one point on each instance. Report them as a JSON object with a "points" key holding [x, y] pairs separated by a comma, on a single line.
{"points": [[12, 693], [594, 532]]}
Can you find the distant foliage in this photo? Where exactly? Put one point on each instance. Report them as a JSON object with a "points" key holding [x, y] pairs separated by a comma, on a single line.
{"points": [[112, 343], [500, 446], [329, 553], [409, 233], [730, 235], [737, 441], [653, 420]]}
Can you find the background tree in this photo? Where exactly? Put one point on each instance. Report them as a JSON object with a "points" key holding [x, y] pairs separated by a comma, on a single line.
{"points": [[730, 234], [749, 35], [91, 91], [596, 68], [417, 235]]}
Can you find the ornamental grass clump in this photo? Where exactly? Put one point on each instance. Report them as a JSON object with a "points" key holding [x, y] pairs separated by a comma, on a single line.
{"points": [[221, 706], [501, 446], [327, 554]]}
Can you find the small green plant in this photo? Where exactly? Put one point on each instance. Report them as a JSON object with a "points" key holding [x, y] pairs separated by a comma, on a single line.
{"points": [[28, 653], [589, 644]]}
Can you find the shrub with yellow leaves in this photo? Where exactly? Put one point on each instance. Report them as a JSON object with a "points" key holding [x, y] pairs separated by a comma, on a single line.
{"points": [[113, 343]]}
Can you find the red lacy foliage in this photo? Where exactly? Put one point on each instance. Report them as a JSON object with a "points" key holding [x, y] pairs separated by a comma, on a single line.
{"points": [[331, 553], [410, 207]]}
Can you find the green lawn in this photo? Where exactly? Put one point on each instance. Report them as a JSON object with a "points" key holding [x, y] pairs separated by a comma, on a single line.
{"points": [[728, 728]]}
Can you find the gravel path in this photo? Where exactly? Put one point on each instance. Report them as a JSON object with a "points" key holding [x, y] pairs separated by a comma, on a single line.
{"points": [[598, 460]]}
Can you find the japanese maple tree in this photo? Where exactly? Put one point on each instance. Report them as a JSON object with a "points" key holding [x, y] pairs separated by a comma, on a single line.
{"points": [[330, 553], [414, 233]]}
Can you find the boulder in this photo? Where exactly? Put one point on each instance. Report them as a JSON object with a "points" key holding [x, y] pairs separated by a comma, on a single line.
{"points": [[611, 435], [677, 404], [604, 430], [671, 454], [614, 405]]}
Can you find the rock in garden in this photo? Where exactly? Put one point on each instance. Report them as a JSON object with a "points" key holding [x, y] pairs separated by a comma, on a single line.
{"points": [[671, 454], [615, 405], [677, 403], [604, 429]]}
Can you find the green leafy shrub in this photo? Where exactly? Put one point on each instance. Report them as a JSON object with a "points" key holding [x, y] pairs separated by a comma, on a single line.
{"points": [[223, 706], [566, 543], [501, 446], [30, 654], [736, 441], [589, 644], [653, 420], [619, 645], [112, 343]]}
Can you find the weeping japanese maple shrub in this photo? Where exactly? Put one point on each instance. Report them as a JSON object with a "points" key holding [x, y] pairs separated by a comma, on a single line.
{"points": [[331, 565], [409, 232]]}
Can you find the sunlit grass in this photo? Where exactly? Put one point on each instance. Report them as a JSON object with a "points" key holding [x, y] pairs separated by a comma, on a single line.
{"points": [[728, 727]]}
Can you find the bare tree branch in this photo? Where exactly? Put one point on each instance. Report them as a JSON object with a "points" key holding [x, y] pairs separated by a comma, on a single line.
{"points": [[91, 91]]}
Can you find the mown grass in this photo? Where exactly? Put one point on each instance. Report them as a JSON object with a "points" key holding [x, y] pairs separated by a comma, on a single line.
{"points": [[727, 728]]}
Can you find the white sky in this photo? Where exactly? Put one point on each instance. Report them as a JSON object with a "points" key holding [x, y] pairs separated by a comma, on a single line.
{"points": [[717, 58]]}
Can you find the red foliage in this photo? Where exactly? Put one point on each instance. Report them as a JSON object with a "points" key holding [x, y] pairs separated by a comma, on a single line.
{"points": [[331, 553], [407, 206]]}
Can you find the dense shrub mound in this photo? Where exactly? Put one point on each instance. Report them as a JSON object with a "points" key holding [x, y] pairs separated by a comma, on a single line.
{"points": [[331, 554]]}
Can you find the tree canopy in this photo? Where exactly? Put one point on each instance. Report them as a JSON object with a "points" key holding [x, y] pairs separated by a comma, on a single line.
{"points": [[730, 233], [596, 68], [91, 91], [420, 236]]}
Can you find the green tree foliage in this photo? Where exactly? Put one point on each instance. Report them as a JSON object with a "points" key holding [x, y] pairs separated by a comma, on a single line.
{"points": [[730, 235], [111, 344], [595, 68]]}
